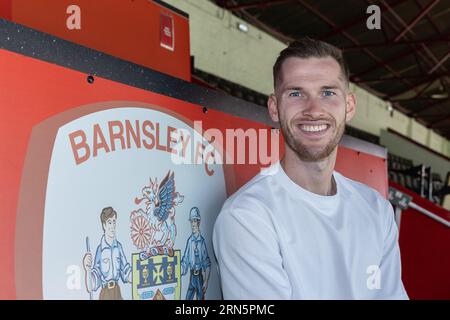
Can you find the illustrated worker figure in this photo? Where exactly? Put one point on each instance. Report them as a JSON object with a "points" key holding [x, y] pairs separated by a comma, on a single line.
{"points": [[301, 230], [196, 259], [110, 262]]}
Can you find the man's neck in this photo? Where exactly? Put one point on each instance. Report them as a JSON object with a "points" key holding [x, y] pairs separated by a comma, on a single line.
{"points": [[109, 240], [316, 177]]}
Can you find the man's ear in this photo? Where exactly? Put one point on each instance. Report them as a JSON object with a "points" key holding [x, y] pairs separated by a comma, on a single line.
{"points": [[350, 106], [272, 105]]}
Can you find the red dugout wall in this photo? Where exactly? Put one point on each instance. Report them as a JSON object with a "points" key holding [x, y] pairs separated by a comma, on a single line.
{"points": [[157, 37], [424, 245]]}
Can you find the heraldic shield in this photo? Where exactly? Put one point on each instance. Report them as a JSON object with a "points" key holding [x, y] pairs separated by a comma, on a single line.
{"points": [[157, 277]]}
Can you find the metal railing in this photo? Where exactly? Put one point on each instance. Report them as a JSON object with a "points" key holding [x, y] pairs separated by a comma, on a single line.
{"points": [[429, 214], [402, 201]]}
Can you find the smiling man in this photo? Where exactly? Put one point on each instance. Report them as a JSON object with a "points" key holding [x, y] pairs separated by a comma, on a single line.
{"points": [[301, 230]]}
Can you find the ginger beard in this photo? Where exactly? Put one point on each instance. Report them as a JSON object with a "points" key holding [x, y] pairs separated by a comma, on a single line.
{"points": [[311, 154]]}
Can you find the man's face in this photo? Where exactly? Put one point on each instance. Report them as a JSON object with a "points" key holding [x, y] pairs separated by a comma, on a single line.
{"points": [[312, 104], [110, 227], [195, 226]]}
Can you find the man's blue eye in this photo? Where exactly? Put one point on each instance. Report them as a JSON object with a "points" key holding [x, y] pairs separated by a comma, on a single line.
{"points": [[328, 93], [294, 94]]}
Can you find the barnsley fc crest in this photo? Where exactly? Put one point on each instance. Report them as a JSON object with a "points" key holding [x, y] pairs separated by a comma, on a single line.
{"points": [[153, 232], [157, 277]]}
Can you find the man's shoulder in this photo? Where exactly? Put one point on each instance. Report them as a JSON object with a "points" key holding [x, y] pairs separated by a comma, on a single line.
{"points": [[247, 212], [251, 203], [255, 191], [362, 191]]}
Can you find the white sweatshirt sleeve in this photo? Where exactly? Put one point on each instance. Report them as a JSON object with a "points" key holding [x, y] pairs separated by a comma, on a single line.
{"points": [[248, 254], [390, 267]]}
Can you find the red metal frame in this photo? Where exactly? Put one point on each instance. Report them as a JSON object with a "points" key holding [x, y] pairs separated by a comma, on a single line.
{"points": [[424, 245]]}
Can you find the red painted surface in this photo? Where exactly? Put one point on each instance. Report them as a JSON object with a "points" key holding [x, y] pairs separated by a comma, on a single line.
{"points": [[5, 9], [33, 90], [130, 30], [364, 168], [425, 250]]}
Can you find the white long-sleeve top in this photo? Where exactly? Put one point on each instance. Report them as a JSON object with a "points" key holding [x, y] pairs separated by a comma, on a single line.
{"points": [[276, 240]]}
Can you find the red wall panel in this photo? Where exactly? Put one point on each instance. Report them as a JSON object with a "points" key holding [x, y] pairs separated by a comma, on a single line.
{"points": [[130, 30], [425, 250]]}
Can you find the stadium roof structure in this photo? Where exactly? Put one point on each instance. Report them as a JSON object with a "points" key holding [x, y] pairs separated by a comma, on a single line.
{"points": [[405, 62]]}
